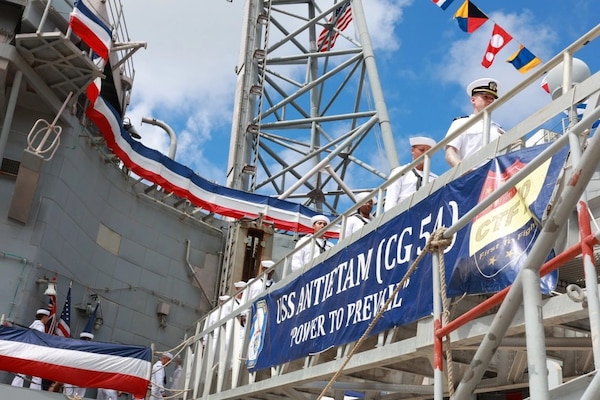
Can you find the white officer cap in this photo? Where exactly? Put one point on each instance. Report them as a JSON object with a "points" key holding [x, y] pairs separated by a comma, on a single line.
{"points": [[239, 284], [267, 263], [317, 218], [168, 355], [42, 311], [421, 140], [483, 85], [224, 297]]}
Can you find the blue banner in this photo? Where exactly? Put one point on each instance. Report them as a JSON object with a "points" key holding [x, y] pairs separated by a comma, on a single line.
{"points": [[334, 302]]}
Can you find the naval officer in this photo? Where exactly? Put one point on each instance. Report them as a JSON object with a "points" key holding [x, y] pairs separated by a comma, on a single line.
{"points": [[482, 92]]}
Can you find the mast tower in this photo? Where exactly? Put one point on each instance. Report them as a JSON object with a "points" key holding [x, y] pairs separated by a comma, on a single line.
{"points": [[308, 111]]}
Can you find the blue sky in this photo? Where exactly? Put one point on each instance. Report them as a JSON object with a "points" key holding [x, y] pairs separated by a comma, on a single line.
{"points": [[186, 75]]}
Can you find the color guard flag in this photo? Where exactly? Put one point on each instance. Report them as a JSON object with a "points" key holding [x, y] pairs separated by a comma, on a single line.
{"points": [[51, 323], [498, 40], [524, 60], [64, 325], [340, 19], [469, 17], [443, 4], [91, 29]]}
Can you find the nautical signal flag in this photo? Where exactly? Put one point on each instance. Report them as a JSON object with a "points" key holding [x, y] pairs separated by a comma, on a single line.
{"points": [[443, 4], [498, 40], [544, 84], [524, 60], [469, 17]]}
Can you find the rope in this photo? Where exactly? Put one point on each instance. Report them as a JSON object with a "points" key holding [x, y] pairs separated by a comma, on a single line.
{"points": [[434, 238], [179, 348], [175, 351], [439, 243]]}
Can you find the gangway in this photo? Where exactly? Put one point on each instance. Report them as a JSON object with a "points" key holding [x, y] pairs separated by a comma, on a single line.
{"points": [[518, 341]]}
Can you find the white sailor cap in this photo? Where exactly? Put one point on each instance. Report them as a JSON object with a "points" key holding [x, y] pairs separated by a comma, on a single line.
{"points": [[86, 335], [483, 85], [42, 311], [224, 297], [421, 140], [317, 218], [361, 196], [267, 263], [239, 284], [168, 355]]}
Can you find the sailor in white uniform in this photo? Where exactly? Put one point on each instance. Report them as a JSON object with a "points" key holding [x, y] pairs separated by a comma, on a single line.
{"points": [[70, 390], [483, 92], [361, 217], [308, 252], [412, 180], [263, 281], [158, 376], [41, 317]]}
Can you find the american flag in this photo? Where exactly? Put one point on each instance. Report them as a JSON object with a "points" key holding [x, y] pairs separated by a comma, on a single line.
{"points": [[341, 19], [64, 325]]}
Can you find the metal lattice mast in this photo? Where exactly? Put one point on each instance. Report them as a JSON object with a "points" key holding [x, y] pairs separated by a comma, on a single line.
{"points": [[308, 120]]}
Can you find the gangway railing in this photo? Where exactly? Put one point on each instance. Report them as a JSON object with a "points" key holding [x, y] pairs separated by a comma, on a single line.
{"points": [[527, 284], [218, 349]]}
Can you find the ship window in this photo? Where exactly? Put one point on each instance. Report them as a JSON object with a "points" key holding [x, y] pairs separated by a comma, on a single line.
{"points": [[9, 167]]}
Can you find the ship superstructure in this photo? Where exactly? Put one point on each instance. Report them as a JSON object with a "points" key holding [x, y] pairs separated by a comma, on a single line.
{"points": [[71, 212]]}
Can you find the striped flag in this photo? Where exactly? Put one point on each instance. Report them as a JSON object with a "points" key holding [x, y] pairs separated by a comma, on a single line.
{"points": [[443, 4], [94, 32], [340, 20], [64, 325]]}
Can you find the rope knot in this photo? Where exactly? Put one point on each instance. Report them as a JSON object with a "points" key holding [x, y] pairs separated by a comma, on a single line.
{"points": [[437, 241]]}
